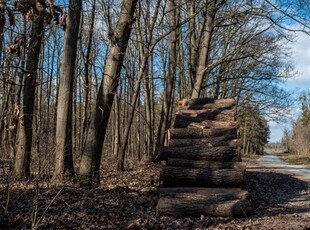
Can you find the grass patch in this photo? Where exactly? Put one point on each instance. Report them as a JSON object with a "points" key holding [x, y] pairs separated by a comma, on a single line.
{"points": [[295, 159]]}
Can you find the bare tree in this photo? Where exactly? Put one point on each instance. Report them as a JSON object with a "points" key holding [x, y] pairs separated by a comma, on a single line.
{"points": [[91, 158], [25, 132], [64, 159]]}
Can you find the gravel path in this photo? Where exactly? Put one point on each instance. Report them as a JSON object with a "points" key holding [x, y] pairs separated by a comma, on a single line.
{"points": [[274, 162], [280, 193]]}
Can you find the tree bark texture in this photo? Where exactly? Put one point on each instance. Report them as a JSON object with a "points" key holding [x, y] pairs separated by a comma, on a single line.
{"points": [[64, 159], [203, 60], [222, 153], [165, 120], [209, 207], [182, 121], [181, 176], [25, 132], [184, 133], [210, 114], [234, 193], [91, 157], [217, 104], [212, 165], [229, 140]]}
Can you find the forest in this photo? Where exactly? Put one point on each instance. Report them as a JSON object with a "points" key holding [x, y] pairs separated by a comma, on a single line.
{"points": [[90, 88]]}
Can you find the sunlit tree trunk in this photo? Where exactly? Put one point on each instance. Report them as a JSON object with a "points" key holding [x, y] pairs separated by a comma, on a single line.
{"points": [[91, 158], [63, 160], [203, 58], [170, 81]]}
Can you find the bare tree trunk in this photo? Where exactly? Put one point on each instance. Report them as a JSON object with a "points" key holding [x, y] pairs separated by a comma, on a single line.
{"points": [[169, 87], [24, 140], [204, 50], [91, 158], [86, 66], [64, 160]]}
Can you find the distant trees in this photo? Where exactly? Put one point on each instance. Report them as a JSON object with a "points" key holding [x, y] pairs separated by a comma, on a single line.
{"points": [[254, 129], [297, 139]]}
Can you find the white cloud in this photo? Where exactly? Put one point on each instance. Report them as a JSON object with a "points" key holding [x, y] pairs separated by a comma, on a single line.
{"points": [[277, 128], [301, 57]]}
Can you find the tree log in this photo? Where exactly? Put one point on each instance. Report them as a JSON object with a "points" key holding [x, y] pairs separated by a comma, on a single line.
{"points": [[197, 101], [222, 153], [183, 133], [207, 114], [211, 165], [209, 207], [166, 191], [180, 176], [194, 122], [229, 140], [218, 104], [197, 193]]}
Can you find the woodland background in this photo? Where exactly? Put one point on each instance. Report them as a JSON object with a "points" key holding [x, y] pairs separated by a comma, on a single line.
{"points": [[86, 80]]}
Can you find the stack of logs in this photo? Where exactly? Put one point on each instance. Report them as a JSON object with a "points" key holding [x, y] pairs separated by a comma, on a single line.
{"points": [[203, 174]]}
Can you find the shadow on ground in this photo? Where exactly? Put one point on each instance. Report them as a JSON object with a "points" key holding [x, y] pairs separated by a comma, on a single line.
{"points": [[276, 193]]}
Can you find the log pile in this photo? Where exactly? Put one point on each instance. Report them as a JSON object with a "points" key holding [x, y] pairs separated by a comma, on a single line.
{"points": [[203, 172]]}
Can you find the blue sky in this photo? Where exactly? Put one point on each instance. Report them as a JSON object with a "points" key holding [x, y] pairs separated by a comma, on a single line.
{"points": [[300, 56]]}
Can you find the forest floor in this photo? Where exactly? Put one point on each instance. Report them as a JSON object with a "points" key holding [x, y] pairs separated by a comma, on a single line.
{"points": [[281, 200]]}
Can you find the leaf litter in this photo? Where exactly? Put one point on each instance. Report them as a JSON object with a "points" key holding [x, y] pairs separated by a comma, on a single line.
{"points": [[127, 200]]}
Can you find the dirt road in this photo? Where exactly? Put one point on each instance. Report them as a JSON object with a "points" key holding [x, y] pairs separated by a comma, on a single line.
{"points": [[280, 194]]}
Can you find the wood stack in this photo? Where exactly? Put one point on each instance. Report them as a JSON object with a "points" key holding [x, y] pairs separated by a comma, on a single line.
{"points": [[203, 174]]}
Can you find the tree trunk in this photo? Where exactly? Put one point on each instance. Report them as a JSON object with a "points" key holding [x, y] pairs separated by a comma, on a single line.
{"points": [[64, 159], [24, 139], [226, 153], [181, 176], [87, 75], [204, 50], [169, 86], [91, 158]]}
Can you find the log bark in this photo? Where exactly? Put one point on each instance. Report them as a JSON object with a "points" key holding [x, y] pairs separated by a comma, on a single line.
{"points": [[229, 140], [166, 191], [194, 122], [184, 133], [218, 104], [180, 176], [209, 207], [210, 114], [197, 101], [211, 165], [202, 115], [197, 193], [222, 153]]}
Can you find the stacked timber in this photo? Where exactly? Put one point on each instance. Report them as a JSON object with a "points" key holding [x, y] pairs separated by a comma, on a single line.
{"points": [[203, 172]]}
